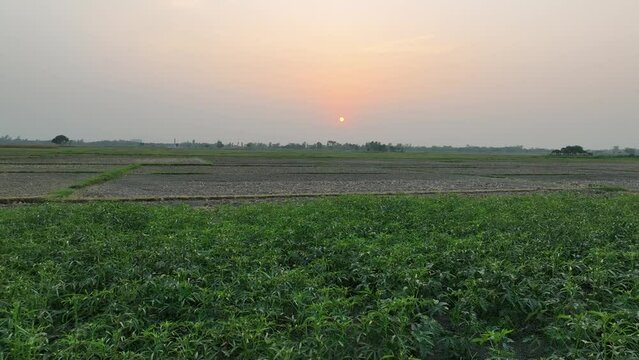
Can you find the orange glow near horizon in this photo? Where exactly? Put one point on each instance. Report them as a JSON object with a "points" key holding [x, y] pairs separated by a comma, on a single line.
{"points": [[373, 70]]}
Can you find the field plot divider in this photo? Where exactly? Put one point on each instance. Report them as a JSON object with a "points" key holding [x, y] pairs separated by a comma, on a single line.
{"points": [[318, 195], [64, 193]]}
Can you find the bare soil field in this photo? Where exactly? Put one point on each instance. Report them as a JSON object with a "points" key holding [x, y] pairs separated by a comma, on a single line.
{"points": [[87, 160], [17, 185], [202, 177], [54, 168]]}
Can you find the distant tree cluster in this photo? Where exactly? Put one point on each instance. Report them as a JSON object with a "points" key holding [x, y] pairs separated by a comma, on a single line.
{"points": [[376, 146], [371, 146], [331, 145], [574, 150], [626, 151], [60, 140], [9, 140]]}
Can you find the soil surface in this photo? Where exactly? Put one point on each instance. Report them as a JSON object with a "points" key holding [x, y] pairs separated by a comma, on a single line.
{"points": [[211, 177], [14, 185], [259, 176]]}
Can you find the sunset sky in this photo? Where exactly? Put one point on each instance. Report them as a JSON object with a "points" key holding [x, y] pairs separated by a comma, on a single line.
{"points": [[541, 73]]}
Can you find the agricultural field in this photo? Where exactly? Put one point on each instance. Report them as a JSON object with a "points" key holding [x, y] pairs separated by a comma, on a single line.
{"points": [[363, 255], [549, 276], [32, 175]]}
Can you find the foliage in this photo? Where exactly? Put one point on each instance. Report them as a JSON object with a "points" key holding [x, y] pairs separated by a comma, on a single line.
{"points": [[60, 140], [375, 146], [574, 150], [498, 341], [351, 277]]}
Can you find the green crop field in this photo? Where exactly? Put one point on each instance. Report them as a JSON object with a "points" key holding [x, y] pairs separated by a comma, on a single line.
{"points": [[447, 277], [155, 151]]}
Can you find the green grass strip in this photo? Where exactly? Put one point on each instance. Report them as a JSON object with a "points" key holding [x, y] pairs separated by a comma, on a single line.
{"points": [[102, 178], [61, 193], [106, 176], [607, 188]]}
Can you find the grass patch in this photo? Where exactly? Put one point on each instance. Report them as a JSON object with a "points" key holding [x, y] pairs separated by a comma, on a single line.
{"points": [[148, 151], [105, 176], [60, 194], [102, 178], [275, 153], [506, 175], [607, 188], [350, 277]]}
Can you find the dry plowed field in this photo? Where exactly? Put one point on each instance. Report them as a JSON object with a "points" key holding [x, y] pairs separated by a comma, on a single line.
{"points": [[220, 177]]}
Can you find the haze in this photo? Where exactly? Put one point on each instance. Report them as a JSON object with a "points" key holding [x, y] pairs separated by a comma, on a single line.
{"points": [[541, 73]]}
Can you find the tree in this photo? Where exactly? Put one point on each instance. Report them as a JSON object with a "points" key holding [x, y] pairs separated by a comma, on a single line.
{"points": [[630, 151], [376, 146], [572, 151], [219, 144], [60, 140]]}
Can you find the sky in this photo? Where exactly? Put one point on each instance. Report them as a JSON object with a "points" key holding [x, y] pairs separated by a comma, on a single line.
{"points": [[543, 73]]}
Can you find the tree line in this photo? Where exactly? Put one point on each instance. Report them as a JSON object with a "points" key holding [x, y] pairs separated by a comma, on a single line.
{"points": [[370, 146]]}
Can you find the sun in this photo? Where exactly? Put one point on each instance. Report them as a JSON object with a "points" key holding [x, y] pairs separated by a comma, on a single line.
{"points": [[342, 119]]}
